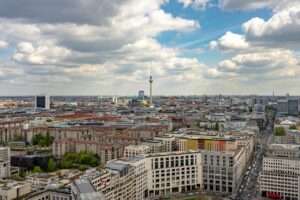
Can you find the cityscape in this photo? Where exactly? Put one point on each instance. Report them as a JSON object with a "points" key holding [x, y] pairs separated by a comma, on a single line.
{"points": [[149, 100]]}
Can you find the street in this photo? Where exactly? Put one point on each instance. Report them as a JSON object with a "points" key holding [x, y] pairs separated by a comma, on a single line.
{"points": [[249, 187]]}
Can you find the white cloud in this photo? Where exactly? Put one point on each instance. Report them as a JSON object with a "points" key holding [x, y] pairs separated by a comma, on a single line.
{"points": [[199, 4], [275, 5], [3, 44], [265, 64], [46, 53], [227, 65], [282, 28], [230, 41]]}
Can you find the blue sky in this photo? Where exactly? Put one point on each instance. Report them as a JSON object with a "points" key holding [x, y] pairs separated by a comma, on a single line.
{"points": [[214, 22], [108, 47]]}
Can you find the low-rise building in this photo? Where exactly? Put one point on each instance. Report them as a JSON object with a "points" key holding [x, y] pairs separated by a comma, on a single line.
{"points": [[11, 190]]}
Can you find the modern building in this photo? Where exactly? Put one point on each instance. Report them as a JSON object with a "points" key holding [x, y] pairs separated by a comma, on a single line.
{"points": [[141, 94], [282, 106], [225, 157], [4, 162], [293, 106], [42, 102], [280, 175], [173, 172], [121, 179]]}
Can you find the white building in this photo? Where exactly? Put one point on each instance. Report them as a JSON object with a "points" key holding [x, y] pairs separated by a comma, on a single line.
{"points": [[173, 172], [124, 179], [4, 162], [280, 176]]}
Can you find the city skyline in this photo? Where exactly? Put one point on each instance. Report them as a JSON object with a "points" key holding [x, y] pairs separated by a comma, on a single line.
{"points": [[193, 47]]}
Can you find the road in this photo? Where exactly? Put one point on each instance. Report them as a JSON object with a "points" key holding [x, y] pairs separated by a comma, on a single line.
{"points": [[249, 188]]}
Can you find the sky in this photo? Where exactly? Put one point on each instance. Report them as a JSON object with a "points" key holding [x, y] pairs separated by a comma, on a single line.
{"points": [[110, 47]]}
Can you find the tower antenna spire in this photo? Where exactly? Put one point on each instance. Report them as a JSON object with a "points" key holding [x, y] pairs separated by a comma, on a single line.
{"points": [[150, 85]]}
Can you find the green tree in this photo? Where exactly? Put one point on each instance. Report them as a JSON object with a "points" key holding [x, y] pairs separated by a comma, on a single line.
{"points": [[71, 160], [217, 128], [37, 169], [41, 140], [279, 131], [293, 127], [51, 165]]}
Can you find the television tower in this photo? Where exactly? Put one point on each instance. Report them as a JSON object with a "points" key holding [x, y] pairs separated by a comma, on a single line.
{"points": [[150, 92]]}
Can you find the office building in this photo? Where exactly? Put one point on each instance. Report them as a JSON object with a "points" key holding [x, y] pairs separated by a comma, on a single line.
{"points": [[121, 179], [280, 176], [173, 172], [42, 102], [4, 162], [293, 107], [141, 94], [225, 158]]}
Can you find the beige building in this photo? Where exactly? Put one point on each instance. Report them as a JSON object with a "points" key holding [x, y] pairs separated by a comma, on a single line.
{"points": [[225, 157], [4, 162], [173, 172], [135, 150], [14, 190], [50, 194]]}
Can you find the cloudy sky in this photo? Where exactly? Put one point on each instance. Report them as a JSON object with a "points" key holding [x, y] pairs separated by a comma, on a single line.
{"points": [[109, 47]]}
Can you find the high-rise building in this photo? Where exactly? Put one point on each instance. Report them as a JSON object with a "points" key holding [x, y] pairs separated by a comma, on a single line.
{"points": [[141, 94], [42, 102]]}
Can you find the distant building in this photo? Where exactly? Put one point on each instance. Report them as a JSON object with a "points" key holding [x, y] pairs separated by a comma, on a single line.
{"points": [[141, 94], [42, 102], [293, 106], [282, 106]]}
